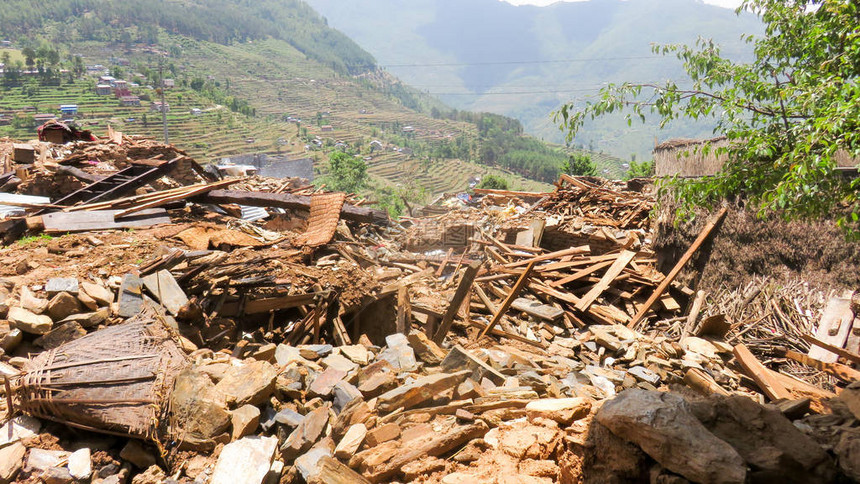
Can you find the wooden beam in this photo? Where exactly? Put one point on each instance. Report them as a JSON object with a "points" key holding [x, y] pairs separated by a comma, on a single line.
{"points": [[552, 255], [510, 193], [404, 311], [614, 271], [290, 202], [581, 273], [706, 231], [852, 357], [459, 296], [444, 262], [769, 385], [515, 291], [843, 372]]}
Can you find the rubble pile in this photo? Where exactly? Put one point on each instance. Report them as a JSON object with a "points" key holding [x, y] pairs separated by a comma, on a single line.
{"points": [[317, 341]]}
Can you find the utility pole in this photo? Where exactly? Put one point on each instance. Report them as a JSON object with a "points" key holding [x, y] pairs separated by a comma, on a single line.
{"points": [[163, 103]]}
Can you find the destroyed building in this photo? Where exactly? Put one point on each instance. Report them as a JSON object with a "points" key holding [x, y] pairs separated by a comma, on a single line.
{"points": [[151, 332]]}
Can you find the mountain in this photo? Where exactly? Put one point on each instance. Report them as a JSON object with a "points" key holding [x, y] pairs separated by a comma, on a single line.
{"points": [[245, 72], [525, 61]]}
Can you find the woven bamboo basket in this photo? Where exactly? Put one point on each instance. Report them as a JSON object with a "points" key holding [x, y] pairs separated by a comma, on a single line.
{"points": [[116, 380]]}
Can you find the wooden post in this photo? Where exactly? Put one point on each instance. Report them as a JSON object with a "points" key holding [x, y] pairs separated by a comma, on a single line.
{"points": [[677, 269], [461, 293], [515, 291], [769, 385], [695, 309], [404, 311]]}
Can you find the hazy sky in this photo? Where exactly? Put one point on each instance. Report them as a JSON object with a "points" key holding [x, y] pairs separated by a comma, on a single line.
{"points": [[722, 3]]}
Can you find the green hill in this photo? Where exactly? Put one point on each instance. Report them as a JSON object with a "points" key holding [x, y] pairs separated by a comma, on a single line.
{"points": [[255, 77], [526, 61]]}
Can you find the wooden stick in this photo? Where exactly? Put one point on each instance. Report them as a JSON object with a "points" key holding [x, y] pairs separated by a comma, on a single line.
{"points": [[444, 263], [677, 269], [843, 372], [614, 271], [515, 291], [404, 311], [580, 274], [769, 385], [703, 383], [459, 295], [552, 255], [852, 357], [695, 309]]}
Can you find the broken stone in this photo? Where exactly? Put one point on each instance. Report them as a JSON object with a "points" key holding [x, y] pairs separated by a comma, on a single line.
{"points": [[399, 353], [288, 417], [331, 471], [31, 303], [152, 475], [848, 451], [245, 421], [11, 461], [643, 374], [137, 454], [664, 427], [459, 359], [80, 464], [246, 461], [11, 339], [772, 446], [351, 441], [56, 475], [344, 393], [196, 407], [88, 320], [19, 428], [61, 284], [419, 391], [389, 431], [251, 383], [563, 410], [102, 295], [39, 460], [61, 334], [63, 305], [358, 354], [425, 348], [325, 381], [286, 355], [308, 462], [166, 290], [87, 301], [29, 322], [130, 296], [306, 434]]}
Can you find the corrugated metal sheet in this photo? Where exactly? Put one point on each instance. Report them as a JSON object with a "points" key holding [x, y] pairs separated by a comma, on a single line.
{"points": [[7, 211], [253, 213]]}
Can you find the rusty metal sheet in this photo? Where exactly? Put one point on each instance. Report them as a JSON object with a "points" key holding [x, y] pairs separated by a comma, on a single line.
{"points": [[322, 223]]}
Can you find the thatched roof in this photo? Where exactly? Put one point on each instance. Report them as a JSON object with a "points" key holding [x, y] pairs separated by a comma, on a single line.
{"points": [[685, 142]]}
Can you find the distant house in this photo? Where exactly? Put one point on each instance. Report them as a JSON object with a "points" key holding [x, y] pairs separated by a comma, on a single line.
{"points": [[69, 109], [196, 111], [6, 44], [44, 118], [408, 129], [158, 107], [375, 145], [103, 89], [169, 83], [110, 80], [129, 101], [326, 128], [120, 61]]}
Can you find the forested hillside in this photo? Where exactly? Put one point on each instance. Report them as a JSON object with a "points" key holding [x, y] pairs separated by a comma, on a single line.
{"points": [[221, 21], [526, 61], [254, 77]]}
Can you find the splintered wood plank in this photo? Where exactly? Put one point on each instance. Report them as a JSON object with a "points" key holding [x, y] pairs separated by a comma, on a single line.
{"points": [[833, 329], [763, 377], [848, 355], [843, 372], [404, 311], [552, 255], [515, 291], [459, 296], [703, 235], [582, 273], [613, 272], [61, 222]]}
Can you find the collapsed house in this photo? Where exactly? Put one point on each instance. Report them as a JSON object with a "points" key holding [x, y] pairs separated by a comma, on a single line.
{"points": [[160, 325]]}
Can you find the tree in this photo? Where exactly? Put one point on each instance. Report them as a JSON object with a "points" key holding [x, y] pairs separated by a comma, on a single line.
{"points": [[643, 169], [493, 182], [579, 164], [788, 114], [29, 56], [346, 173]]}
